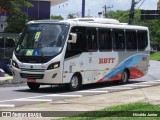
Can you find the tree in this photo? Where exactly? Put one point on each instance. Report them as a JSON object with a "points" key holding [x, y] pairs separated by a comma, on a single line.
{"points": [[120, 15], [16, 18], [14, 6], [57, 17], [5, 6], [71, 16], [16, 23]]}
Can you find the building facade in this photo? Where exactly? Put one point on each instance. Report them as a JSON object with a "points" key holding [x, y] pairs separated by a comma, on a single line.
{"points": [[158, 5], [3, 23], [41, 10]]}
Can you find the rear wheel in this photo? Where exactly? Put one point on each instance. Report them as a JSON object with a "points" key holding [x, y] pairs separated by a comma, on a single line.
{"points": [[75, 82], [33, 86], [125, 77]]}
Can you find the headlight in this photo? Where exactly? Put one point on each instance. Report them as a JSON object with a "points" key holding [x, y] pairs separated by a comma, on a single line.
{"points": [[14, 64], [53, 66]]}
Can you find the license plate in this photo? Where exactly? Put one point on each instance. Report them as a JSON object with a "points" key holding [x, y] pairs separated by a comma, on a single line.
{"points": [[31, 80]]}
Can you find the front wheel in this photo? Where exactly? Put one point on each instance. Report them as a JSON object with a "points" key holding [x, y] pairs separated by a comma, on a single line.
{"points": [[75, 82], [33, 86], [125, 77]]}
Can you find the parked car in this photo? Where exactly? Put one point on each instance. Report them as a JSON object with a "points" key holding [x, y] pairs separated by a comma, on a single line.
{"points": [[7, 42], [7, 46], [5, 64]]}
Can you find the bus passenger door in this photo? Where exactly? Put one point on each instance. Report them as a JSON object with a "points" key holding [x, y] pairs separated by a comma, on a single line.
{"points": [[88, 76], [91, 36]]}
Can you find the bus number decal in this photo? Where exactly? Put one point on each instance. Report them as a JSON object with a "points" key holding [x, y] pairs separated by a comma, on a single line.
{"points": [[106, 60]]}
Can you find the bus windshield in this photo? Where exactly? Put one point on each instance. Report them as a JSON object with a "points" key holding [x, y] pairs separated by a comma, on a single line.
{"points": [[42, 40]]}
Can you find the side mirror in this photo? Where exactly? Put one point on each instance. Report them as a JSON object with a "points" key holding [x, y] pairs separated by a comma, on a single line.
{"points": [[72, 38]]}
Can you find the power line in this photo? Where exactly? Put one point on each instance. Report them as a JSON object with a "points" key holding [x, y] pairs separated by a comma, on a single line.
{"points": [[125, 5], [141, 3]]}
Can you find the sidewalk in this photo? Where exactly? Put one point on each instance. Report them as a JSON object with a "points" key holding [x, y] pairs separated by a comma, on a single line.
{"points": [[7, 80], [96, 102]]}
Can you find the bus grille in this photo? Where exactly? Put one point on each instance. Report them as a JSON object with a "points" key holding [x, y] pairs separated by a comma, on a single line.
{"points": [[32, 76], [33, 70]]}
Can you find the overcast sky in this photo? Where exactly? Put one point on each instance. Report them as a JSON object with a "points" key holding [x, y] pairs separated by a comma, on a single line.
{"points": [[95, 6]]}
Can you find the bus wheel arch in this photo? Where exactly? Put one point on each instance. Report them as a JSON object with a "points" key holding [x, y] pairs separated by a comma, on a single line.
{"points": [[75, 82], [125, 76]]}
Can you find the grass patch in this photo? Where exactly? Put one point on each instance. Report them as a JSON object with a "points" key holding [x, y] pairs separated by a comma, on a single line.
{"points": [[122, 112], [155, 56]]}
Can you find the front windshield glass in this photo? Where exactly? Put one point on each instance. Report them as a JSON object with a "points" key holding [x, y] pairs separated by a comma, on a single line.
{"points": [[42, 40]]}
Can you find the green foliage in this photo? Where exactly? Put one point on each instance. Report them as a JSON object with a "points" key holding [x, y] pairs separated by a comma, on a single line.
{"points": [[57, 17], [121, 112], [120, 15], [5, 5], [16, 19], [71, 16], [16, 23], [14, 6], [155, 56]]}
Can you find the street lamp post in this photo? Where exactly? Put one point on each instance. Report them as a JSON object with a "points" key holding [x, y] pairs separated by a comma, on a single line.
{"points": [[83, 8]]}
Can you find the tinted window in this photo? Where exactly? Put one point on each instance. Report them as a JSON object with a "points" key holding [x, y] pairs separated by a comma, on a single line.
{"points": [[92, 38], [105, 39], [81, 42], [80, 45], [142, 40], [131, 41], [119, 40]]}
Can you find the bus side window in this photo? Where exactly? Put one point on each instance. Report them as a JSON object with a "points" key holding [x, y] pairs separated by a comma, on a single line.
{"points": [[92, 39], [142, 40], [80, 45], [81, 42], [131, 40], [119, 40], [105, 40]]}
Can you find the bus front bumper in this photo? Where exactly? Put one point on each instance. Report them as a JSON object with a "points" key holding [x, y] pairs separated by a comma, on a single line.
{"points": [[48, 77]]}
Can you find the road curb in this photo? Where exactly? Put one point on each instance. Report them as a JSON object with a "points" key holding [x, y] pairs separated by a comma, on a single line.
{"points": [[8, 80]]}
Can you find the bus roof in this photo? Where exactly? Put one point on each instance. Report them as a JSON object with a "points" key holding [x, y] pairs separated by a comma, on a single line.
{"points": [[93, 22]]}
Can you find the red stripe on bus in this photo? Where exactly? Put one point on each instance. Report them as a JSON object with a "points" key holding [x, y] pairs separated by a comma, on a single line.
{"points": [[136, 73]]}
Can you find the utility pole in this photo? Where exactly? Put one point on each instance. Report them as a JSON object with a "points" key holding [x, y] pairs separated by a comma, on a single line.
{"points": [[106, 12], [132, 11]]}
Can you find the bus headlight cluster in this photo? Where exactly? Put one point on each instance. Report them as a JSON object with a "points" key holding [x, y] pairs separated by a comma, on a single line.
{"points": [[53, 66], [14, 64]]}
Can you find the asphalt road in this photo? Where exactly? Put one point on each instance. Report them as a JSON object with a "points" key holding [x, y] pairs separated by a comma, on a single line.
{"points": [[15, 95]]}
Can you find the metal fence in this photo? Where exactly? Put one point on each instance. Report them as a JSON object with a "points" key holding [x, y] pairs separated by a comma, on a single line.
{"points": [[8, 42]]}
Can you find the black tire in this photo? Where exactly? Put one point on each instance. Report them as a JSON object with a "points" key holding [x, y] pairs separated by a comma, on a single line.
{"points": [[75, 83], [33, 86], [125, 77]]}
